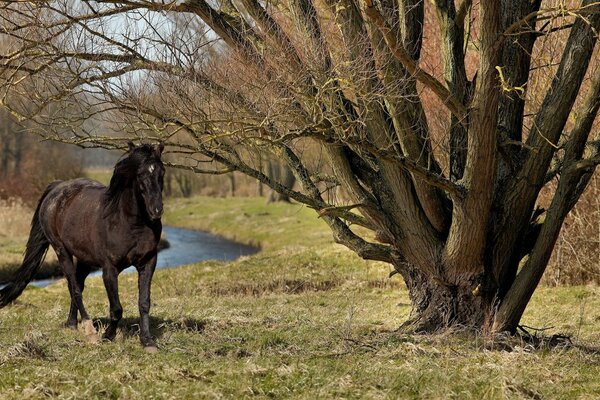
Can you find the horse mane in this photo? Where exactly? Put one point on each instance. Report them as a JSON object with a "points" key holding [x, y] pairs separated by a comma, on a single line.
{"points": [[124, 174]]}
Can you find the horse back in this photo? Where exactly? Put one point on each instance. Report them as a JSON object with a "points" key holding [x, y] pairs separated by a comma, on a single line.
{"points": [[70, 212]]}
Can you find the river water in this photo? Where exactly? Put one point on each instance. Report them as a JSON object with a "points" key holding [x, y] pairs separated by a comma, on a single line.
{"points": [[186, 247]]}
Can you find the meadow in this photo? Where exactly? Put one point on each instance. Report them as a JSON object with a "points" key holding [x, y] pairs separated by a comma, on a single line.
{"points": [[304, 318]]}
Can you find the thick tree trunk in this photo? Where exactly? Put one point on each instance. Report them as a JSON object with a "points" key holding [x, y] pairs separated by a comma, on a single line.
{"points": [[451, 308], [437, 306]]}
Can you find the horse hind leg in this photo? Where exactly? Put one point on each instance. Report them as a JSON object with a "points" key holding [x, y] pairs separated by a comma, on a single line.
{"points": [[81, 272], [66, 262]]}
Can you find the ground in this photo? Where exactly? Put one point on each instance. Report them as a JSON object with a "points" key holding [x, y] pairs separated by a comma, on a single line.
{"points": [[304, 318]]}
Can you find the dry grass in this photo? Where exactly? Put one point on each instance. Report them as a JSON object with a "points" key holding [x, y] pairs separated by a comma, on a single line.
{"points": [[576, 256], [14, 228], [305, 318], [15, 218]]}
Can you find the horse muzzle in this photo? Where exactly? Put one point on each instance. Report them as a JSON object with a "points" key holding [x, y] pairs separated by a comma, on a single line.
{"points": [[155, 213]]}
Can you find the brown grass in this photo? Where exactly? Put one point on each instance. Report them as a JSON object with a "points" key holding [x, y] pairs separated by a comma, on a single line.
{"points": [[14, 218], [14, 228], [281, 286]]}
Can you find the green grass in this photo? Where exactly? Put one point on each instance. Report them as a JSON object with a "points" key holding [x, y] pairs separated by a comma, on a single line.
{"points": [[101, 175], [251, 221], [304, 318]]}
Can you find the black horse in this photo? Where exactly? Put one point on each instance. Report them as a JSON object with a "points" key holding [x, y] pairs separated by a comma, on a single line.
{"points": [[103, 227]]}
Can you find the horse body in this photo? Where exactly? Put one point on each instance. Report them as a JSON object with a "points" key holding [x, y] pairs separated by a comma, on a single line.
{"points": [[103, 227], [75, 222]]}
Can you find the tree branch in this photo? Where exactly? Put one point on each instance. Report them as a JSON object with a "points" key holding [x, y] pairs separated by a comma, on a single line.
{"points": [[454, 105], [522, 188]]}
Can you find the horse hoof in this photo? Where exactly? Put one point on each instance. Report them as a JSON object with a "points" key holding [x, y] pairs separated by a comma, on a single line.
{"points": [[151, 349]]}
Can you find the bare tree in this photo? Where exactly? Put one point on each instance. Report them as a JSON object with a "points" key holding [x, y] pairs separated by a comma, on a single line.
{"points": [[454, 209]]}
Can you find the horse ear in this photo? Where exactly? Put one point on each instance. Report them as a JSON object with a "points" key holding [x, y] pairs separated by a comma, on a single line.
{"points": [[159, 148], [130, 145]]}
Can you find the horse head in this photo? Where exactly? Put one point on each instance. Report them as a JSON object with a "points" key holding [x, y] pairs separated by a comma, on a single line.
{"points": [[149, 176]]}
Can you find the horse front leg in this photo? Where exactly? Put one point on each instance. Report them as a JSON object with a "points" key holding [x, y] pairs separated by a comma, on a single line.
{"points": [[145, 272], [110, 276]]}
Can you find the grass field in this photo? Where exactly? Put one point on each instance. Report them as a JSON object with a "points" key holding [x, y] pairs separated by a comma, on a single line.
{"points": [[304, 318]]}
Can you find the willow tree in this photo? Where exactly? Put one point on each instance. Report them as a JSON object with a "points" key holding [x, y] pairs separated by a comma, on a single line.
{"points": [[335, 89]]}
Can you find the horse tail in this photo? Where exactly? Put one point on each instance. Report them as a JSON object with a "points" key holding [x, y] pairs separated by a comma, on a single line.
{"points": [[37, 245]]}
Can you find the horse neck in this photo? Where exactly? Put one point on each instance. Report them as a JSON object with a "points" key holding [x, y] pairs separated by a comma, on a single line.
{"points": [[130, 206]]}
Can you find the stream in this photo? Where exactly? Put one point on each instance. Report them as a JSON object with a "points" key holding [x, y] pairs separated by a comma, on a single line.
{"points": [[185, 247]]}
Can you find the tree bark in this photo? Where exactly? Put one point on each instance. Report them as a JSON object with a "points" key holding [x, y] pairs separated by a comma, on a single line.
{"points": [[453, 38], [438, 306]]}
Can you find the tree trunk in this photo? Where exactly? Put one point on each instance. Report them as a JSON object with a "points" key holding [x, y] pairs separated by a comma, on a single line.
{"points": [[284, 175], [259, 184], [18, 153], [168, 189], [185, 183], [5, 155], [232, 187], [259, 189], [438, 306]]}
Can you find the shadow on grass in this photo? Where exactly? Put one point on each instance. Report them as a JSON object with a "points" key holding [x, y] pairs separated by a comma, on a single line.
{"points": [[158, 326]]}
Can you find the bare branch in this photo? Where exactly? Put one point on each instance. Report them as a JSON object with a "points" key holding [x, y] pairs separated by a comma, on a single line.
{"points": [[454, 105]]}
